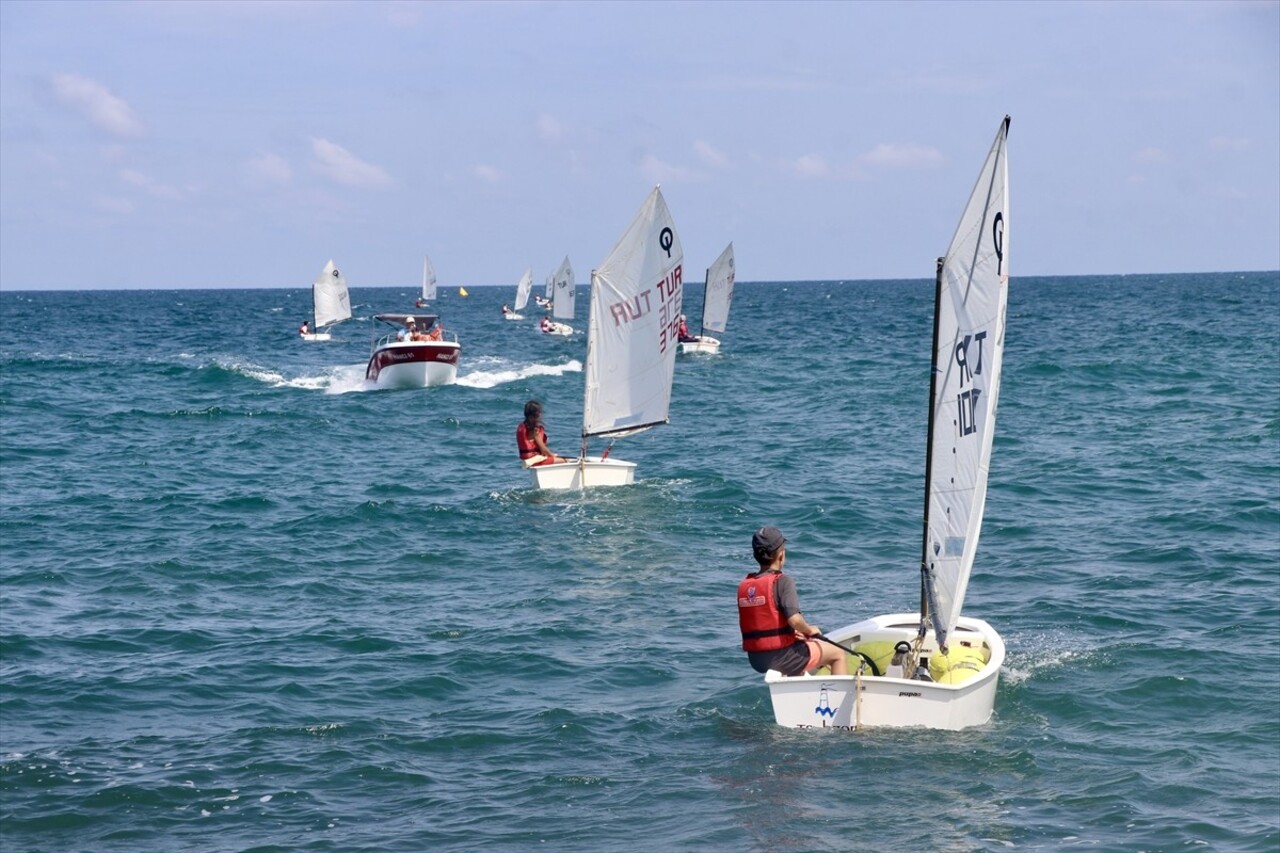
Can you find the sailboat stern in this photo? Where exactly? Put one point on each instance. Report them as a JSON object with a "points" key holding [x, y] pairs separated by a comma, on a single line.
{"points": [[589, 472], [832, 702], [704, 345]]}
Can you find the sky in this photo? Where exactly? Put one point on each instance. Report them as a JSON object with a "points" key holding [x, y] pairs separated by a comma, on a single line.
{"points": [[243, 143]]}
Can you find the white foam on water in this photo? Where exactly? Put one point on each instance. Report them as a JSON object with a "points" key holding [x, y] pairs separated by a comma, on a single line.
{"points": [[503, 372]]}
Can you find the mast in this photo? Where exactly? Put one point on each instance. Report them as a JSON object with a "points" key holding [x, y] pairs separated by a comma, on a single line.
{"points": [[586, 374], [925, 591], [702, 320]]}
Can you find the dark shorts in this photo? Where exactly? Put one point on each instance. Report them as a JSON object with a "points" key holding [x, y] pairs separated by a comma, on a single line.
{"points": [[793, 660]]}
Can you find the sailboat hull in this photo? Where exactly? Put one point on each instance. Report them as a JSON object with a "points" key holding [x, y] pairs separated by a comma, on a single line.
{"points": [[705, 345], [589, 472], [317, 336], [831, 702]]}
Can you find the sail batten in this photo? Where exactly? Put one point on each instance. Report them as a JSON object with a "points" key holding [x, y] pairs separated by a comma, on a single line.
{"points": [[634, 320], [971, 304]]}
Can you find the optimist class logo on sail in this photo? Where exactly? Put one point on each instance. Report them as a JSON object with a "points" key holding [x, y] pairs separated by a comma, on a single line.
{"points": [[670, 291]]}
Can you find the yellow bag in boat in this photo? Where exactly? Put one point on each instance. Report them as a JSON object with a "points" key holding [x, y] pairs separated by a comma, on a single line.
{"points": [[958, 665], [880, 651]]}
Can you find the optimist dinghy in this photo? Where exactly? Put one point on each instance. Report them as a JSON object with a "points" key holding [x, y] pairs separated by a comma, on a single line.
{"points": [[936, 668], [716, 296], [631, 347], [330, 303]]}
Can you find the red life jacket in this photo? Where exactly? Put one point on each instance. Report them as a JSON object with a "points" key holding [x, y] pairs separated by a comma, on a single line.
{"points": [[528, 447], [764, 628]]}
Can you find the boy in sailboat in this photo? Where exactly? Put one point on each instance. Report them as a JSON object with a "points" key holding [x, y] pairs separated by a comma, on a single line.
{"points": [[305, 328], [682, 333], [775, 634], [531, 438]]}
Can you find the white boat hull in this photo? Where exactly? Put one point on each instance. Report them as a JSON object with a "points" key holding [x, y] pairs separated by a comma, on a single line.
{"points": [[317, 336], [414, 364], [830, 702], [589, 472], [558, 329], [514, 316], [705, 345]]}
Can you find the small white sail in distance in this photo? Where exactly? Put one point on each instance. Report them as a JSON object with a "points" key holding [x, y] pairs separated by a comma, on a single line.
{"points": [[524, 288], [428, 280], [564, 291], [719, 292], [330, 300]]}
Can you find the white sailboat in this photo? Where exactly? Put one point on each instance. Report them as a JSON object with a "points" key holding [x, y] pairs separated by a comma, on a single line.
{"points": [[631, 346], [717, 294], [330, 303], [523, 289], [428, 283], [962, 655], [563, 297]]}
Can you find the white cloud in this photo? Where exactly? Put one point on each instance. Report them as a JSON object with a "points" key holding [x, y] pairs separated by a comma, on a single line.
{"points": [[909, 156], [710, 155], [1152, 155], [342, 167], [809, 166], [134, 178], [113, 204], [660, 172], [487, 174], [96, 103], [270, 168], [1226, 143], [549, 130]]}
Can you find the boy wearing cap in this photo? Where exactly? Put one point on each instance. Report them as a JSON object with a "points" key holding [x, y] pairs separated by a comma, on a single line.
{"points": [[775, 634]]}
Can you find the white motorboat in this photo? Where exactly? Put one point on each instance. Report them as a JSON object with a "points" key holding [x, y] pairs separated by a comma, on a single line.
{"points": [[418, 361]]}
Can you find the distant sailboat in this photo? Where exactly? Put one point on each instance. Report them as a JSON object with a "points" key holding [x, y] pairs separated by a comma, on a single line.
{"points": [[631, 347], [563, 297], [428, 283], [523, 289], [936, 668], [716, 298], [330, 303]]}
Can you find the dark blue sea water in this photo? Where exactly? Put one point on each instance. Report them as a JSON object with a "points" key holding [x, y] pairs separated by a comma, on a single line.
{"points": [[249, 605]]}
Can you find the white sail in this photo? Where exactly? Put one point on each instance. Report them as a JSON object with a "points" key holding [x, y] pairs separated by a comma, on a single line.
{"points": [[329, 297], [973, 285], [634, 321], [428, 280], [523, 289], [718, 292], [563, 291]]}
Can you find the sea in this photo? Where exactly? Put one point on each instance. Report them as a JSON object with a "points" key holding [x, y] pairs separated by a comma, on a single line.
{"points": [[249, 604]]}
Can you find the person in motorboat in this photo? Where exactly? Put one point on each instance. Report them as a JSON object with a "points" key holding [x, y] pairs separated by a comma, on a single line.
{"points": [[305, 328], [775, 634], [682, 332], [409, 330], [531, 438]]}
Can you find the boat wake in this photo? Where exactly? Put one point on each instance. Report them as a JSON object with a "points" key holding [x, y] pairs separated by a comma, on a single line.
{"points": [[500, 371]]}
